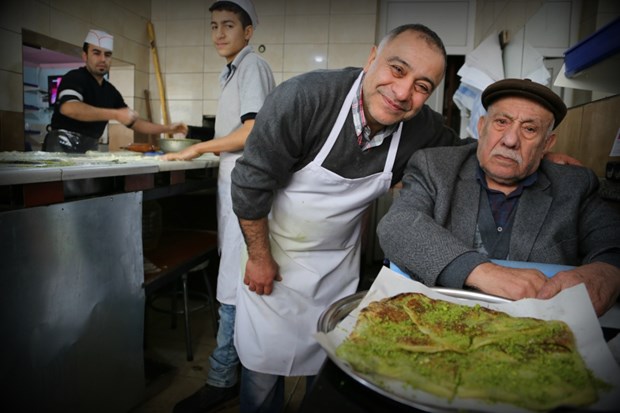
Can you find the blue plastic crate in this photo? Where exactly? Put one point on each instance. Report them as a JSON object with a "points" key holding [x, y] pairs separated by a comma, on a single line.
{"points": [[597, 47]]}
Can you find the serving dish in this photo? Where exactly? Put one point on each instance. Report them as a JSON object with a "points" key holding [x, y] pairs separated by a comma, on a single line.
{"points": [[335, 313], [572, 306]]}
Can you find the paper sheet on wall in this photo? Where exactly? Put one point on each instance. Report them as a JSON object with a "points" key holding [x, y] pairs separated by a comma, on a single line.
{"points": [[488, 63], [523, 61], [615, 149], [482, 67]]}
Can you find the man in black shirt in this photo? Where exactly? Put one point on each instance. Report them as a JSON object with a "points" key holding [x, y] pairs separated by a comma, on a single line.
{"points": [[87, 101]]}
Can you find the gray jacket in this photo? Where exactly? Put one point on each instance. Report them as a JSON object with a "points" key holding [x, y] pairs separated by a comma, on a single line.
{"points": [[560, 219]]}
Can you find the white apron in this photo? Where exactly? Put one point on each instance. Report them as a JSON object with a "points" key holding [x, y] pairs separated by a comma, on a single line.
{"points": [[230, 239], [315, 227]]}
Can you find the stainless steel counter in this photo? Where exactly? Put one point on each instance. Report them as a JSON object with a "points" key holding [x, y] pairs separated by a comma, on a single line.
{"points": [[71, 268], [29, 179], [35, 167], [72, 306]]}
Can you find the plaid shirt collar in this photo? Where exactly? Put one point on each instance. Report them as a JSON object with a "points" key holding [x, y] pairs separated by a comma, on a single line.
{"points": [[362, 130]]}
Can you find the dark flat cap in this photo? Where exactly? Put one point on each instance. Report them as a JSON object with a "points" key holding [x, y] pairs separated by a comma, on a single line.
{"points": [[527, 89]]}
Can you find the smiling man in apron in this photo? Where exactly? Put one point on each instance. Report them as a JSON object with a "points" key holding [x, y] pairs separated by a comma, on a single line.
{"points": [[324, 146]]}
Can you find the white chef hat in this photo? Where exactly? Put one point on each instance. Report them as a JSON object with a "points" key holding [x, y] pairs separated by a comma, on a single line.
{"points": [[100, 38], [246, 5]]}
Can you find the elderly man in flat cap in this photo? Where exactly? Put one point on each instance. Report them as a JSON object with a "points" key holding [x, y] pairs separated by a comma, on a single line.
{"points": [[87, 101], [497, 199]]}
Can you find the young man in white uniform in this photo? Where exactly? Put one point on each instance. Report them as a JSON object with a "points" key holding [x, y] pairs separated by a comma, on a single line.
{"points": [[246, 80]]}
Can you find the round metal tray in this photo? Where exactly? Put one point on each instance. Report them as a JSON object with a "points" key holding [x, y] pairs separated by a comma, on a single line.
{"points": [[336, 312]]}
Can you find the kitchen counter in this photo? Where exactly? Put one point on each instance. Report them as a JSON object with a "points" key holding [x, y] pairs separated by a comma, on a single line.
{"points": [[72, 271], [35, 167], [30, 179]]}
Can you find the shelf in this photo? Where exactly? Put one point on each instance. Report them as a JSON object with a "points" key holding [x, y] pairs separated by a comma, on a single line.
{"points": [[592, 64], [602, 77], [31, 88], [43, 92], [594, 49]]}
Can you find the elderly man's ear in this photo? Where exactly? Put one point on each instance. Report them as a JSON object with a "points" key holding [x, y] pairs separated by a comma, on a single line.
{"points": [[559, 158]]}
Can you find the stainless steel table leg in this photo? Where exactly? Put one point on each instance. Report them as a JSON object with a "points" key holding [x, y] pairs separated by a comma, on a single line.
{"points": [[188, 331]]}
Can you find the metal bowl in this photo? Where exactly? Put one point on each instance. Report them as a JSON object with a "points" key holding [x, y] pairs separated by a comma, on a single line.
{"points": [[176, 144]]}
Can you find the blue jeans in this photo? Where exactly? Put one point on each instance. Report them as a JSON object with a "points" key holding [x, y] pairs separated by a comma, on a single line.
{"points": [[224, 360], [263, 393]]}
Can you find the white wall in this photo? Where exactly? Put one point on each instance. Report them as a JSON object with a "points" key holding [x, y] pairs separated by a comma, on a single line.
{"points": [[297, 35], [453, 21], [293, 32], [69, 21]]}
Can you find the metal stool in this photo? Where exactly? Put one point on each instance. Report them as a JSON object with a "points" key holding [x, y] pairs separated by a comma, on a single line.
{"points": [[179, 254]]}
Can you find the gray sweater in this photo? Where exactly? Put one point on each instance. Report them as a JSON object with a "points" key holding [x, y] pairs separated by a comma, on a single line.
{"points": [[293, 125]]}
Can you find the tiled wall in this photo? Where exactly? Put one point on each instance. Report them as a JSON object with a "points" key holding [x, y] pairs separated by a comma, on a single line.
{"points": [[67, 21], [293, 32], [297, 35]]}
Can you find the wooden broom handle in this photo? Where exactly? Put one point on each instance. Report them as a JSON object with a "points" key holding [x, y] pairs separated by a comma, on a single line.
{"points": [[160, 82]]}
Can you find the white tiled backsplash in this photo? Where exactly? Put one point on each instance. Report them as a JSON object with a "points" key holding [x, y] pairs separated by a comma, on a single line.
{"points": [[297, 35]]}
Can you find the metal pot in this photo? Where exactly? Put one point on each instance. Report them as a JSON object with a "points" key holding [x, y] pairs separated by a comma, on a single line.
{"points": [[176, 144]]}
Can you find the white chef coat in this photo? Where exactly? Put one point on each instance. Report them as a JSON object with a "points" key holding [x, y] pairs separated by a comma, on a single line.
{"points": [[243, 91], [315, 228], [230, 238]]}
